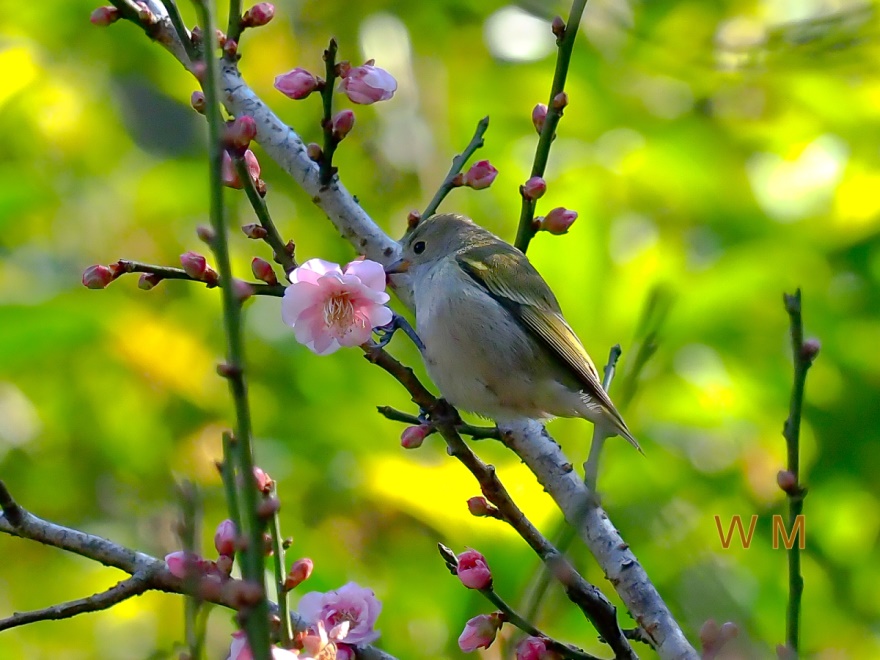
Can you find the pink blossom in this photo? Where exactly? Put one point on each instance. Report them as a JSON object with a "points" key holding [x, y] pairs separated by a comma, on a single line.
{"points": [[473, 571], [225, 537], [352, 603], [558, 221], [534, 188], [104, 16], [480, 175], [97, 277], [368, 84], [329, 307], [239, 649], [535, 648], [479, 632], [229, 174], [296, 83], [539, 116], [413, 436]]}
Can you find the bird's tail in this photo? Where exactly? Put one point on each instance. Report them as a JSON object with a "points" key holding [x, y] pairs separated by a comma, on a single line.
{"points": [[616, 426]]}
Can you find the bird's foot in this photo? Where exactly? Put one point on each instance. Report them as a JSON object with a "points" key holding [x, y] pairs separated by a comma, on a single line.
{"points": [[386, 332]]}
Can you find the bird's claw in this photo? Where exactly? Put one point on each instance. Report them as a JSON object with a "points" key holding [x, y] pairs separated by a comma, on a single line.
{"points": [[386, 332]]}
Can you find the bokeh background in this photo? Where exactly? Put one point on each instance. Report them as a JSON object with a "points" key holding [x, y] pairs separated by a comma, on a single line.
{"points": [[719, 154]]}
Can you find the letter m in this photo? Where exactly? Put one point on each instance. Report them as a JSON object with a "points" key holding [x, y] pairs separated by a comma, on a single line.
{"points": [[798, 529]]}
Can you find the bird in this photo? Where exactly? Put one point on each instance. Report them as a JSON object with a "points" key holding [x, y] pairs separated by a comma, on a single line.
{"points": [[495, 340]]}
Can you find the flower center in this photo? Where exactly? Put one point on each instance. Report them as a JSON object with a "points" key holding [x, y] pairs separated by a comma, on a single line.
{"points": [[339, 313]]}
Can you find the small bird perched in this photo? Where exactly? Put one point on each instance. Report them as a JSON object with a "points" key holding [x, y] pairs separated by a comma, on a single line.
{"points": [[496, 342]]}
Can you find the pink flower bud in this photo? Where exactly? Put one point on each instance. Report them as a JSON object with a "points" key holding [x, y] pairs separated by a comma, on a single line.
{"points": [[258, 15], [299, 573], [412, 219], [810, 349], [242, 290], [296, 83], [342, 123], [264, 481], [479, 506], [263, 271], [224, 538], [479, 632], [560, 101], [534, 648], [539, 116], [315, 152], [194, 264], [367, 84], [197, 101], [148, 280], [254, 230], [229, 174], [224, 564], [558, 221], [230, 47], [480, 175], [413, 436], [240, 132], [97, 277], [178, 563], [787, 481], [534, 188], [206, 234], [473, 571], [558, 27], [104, 16]]}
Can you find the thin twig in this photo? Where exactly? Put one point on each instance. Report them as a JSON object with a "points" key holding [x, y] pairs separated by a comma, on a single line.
{"points": [[591, 467], [234, 27], [129, 588], [476, 432], [256, 619], [282, 252], [804, 354], [457, 164], [171, 273], [330, 141], [280, 574], [526, 231], [587, 597]]}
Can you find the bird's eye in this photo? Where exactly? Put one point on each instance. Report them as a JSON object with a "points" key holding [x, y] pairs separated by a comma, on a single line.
{"points": [[419, 247]]}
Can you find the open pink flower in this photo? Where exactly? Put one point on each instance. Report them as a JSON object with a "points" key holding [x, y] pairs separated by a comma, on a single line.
{"points": [[368, 84], [329, 307], [352, 603]]}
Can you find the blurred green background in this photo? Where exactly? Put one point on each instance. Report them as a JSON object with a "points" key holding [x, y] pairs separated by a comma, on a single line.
{"points": [[723, 152]]}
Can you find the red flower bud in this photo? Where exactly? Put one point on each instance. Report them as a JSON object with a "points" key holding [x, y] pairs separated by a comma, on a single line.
{"points": [[224, 538], [534, 188], [413, 436], [104, 16], [479, 506], [97, 277], [480, 175], [264, 481], [299, 573], [258, 15], [229, 174], [558, 221], [539, 116], [342, 123], [240, 132], [296, 83], [194, 264], [473, 571], [263, 271]]}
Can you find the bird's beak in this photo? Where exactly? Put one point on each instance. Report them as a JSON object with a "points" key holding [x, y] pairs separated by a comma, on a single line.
{"points": [[399, 266]]}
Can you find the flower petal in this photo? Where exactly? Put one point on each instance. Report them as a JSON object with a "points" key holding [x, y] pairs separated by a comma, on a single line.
{"points": [[298, 298], [312, 269], [371, 273]]}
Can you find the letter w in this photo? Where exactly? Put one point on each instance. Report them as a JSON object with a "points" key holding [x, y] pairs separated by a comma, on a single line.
{"points": [[736, 521]]}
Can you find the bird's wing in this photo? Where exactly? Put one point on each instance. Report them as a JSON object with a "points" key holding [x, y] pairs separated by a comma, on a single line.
{"points": [[492, 268]]}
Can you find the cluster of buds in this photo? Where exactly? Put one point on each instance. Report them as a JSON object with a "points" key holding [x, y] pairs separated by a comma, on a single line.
{"points": [[480, 175]]}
